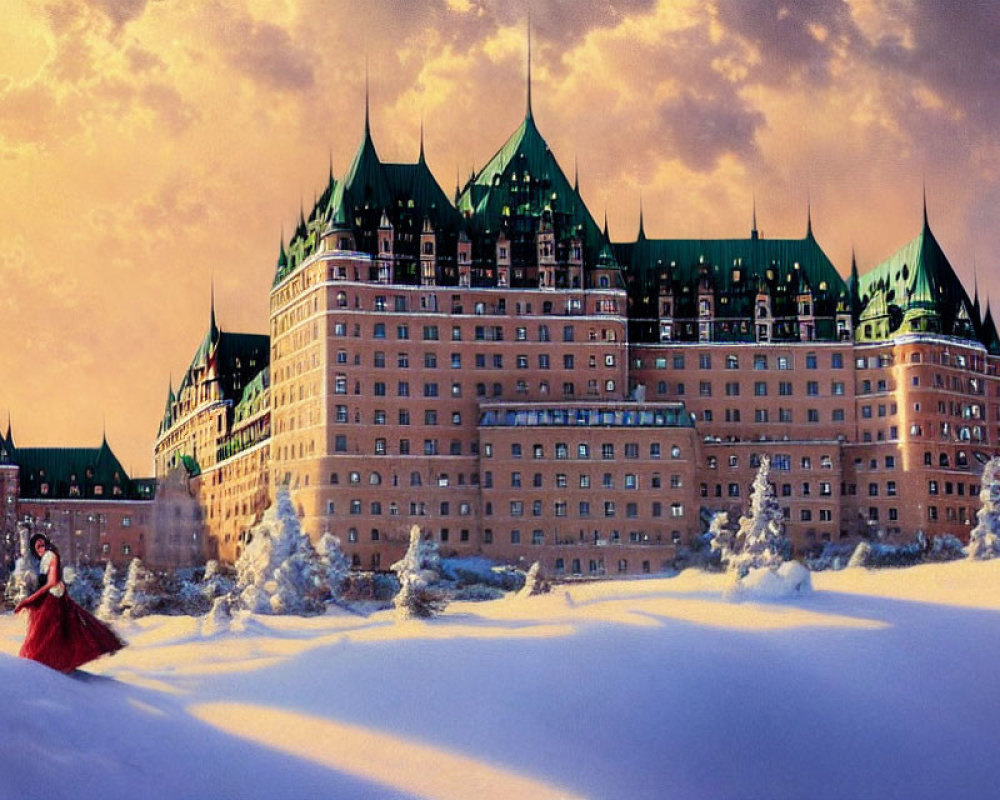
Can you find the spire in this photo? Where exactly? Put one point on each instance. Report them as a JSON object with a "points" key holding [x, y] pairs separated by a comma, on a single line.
{"points": [[809, 218], [10, 435], [212, 328], [368, 130], [642, 228], [528, 114], [926, 226], [754, 233], [420, 158], [855, 286], [606, 237], [975, 297], [576, 175]]}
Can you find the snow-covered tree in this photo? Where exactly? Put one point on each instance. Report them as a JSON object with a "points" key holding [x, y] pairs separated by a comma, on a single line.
{"points": [[111, 596], [334, 566], [984, 541], [23, 580], [215, 583], [418, 572], [859, 558], [279, 571], [760, 538], [137, 600], [218, 617], [721, 539], [534, 582]]}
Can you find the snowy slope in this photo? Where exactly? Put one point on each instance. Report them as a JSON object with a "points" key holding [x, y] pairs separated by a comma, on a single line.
{"points": [[876, 685]]}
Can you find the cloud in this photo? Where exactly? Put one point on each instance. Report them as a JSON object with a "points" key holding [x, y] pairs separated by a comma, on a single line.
{"points": [[264, 51]]}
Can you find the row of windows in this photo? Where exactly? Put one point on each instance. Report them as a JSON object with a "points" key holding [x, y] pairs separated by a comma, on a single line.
{"points": [[432, 388], [443, 480], [614, 537], [583, 450], [630, 481], [763, 415], [495, 361], [732, 361], [609, 508], [481, 333], [823, 489], [779, 461]]}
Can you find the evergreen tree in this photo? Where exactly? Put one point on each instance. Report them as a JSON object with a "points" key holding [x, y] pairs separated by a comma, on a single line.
{"points": [[418, 572], [279, 571], [23, 580], [984, 541], [721, 539], [111, 596], [760, 539], [137, 602], [334, 566]]}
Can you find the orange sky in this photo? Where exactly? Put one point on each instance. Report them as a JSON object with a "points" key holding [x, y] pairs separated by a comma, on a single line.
{"points": [[149, 147]]}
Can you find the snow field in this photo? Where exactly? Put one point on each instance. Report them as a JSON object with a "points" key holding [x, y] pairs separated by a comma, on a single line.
{"points": [[874, 685]]}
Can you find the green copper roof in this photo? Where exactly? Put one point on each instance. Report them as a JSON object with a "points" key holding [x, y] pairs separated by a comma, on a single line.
{"points": [[914, 290], [524, 179], [70, 472], [737, 269]]}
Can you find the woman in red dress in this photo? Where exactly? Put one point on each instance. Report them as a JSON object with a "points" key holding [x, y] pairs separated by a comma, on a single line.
{"points": [[61, 634]]}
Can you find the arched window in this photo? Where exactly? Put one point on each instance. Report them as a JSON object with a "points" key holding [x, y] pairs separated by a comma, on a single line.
{"points": [[375, 479]]}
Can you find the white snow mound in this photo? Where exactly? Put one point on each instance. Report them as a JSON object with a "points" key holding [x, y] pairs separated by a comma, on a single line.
{"points": [[791, 579]]}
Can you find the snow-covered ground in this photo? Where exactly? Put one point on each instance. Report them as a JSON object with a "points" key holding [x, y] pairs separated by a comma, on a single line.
{"points": [[878, 684]]}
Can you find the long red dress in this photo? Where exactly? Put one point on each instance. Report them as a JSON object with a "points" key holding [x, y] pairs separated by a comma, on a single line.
{"points": [[62, 635]]}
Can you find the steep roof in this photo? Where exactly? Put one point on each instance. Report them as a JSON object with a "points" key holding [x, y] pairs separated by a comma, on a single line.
{"points": [[56, 470], [523, 178], [737, 270], [915, 289]]}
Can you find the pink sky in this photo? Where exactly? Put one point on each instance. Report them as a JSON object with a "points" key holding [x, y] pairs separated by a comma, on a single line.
{"points": [[149, 148]]}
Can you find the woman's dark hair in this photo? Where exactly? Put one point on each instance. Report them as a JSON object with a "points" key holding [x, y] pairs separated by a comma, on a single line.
{"points": [[36, 538], [41, 537]]}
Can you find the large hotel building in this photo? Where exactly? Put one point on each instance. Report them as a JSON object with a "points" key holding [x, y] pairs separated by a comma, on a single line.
{"points": [[496, 370]]}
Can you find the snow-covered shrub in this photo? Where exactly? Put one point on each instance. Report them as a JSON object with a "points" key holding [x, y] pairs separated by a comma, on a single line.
{"points": [[832, 556], [218, 618], [470, 570], [478, 592], [534, 581], [984, 540], [278, 572], [882, 554], [945, 548], [111, 597], [790, 579], [760, 539], [137, 601], [84, 585], [418, 573]]}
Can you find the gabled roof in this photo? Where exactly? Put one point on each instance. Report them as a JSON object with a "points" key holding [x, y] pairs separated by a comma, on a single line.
{"points": [[524, 178], [915, 289], [52, 472]]}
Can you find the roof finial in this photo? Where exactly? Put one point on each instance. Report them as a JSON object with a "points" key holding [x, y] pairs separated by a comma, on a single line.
{"points": [[754, 233], [420, 159], [925, 202], [211, 324], [642, 229], [606, 237], [576, 174], [809, 217], [368, 130], [528, 113]]}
